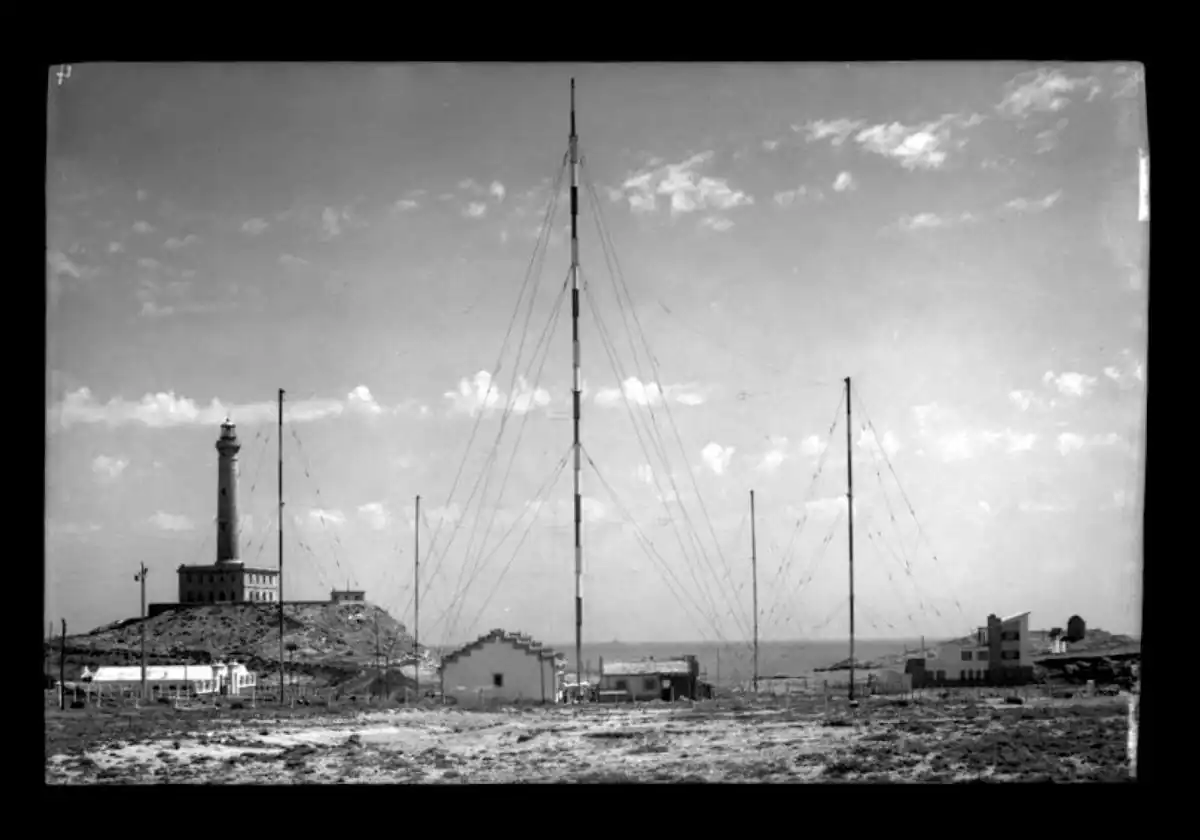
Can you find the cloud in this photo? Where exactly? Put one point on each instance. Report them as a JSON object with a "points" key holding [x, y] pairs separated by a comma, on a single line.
{"points": [[1023, 399], [70, 529], [115, 247], [406, 204], [1043, 91], [787, 197], [142, 195], [1130, 80], [831, 506], [375, 515], [109, 468], [143, 227], [1024, 205], [496, 190], [1047, 140], [685, 190], [61, 264], [481, 394], [984, 506], [166, 410], [889, 443], [717, 457], [838, 130], [327, 517], [1070, 384], [644, 473], [649, 393], [716, 223], [1018, 442], [1069, 442], [175, 243], [360, 399], [475, 210], [812, 445], [772, 460], [255, 226], [916, 147], [292, 261], [844, 181], [770, 145], [332, 220], [171, 522], [929, 221], [1134, 373]]}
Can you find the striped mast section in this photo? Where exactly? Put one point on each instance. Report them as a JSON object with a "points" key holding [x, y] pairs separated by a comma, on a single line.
{"points": [[576, 392]]}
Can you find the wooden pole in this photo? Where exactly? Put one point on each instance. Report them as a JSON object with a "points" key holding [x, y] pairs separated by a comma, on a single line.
{"points": [[417, 601], [62, 668], [280, 588], [141, 577]]}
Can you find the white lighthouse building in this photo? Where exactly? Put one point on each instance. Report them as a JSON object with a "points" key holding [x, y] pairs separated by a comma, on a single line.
{"points": [[228, 580]]}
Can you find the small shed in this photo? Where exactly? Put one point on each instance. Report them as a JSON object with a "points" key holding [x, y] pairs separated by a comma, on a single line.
{"points": [[347, 596], [650, 679], [500, 666]]}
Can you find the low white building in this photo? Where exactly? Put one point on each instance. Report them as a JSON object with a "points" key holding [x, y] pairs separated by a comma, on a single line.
{"points": [[500, 666], [171, 680], [971, 660]]}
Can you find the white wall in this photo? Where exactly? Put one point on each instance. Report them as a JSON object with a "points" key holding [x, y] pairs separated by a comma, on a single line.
{"points": [[527, 676]]}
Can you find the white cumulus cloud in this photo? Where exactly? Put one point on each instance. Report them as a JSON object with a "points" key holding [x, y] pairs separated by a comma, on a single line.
{"points": [[375, 515], [475, 210], [171, 522], [481, 394], [1070, 384], [255, 226], [717, 457], [845, 181], [813, 445], [497, 190], [109, 468]]}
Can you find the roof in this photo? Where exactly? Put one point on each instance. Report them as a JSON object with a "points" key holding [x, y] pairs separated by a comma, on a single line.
{"points": [[156, 673], [647, 667], [1014, 617], [520, 641]]}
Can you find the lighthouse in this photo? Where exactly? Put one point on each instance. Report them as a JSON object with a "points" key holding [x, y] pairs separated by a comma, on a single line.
{"points": [[228, 580], [228, 446]]}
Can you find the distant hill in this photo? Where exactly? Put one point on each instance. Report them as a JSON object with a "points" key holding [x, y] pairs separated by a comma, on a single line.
{"points": [[334, 643]]}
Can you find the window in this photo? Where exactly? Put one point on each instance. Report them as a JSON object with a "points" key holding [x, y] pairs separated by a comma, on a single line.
{"points": [[622, 685], [648, 683], [210, 596], [981, 655], [966, 656], [498, 680], [222, 491], [1010, 654], [1010, 636]]}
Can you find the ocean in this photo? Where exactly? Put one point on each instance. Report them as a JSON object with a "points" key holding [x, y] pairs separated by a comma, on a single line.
{"points": [[727, 665]]}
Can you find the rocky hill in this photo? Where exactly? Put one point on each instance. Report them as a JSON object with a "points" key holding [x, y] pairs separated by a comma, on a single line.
{"points": [[330, 643]]}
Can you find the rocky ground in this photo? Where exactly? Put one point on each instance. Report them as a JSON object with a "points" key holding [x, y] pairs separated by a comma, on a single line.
{"points": [[731, 742]]}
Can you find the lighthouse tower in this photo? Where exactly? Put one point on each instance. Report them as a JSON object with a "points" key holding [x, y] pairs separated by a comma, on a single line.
{"points": [[228, 580], [228, 446]]}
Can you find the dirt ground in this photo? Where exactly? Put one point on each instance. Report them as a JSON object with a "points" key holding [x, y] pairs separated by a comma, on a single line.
{"points": [[1054, 741]]}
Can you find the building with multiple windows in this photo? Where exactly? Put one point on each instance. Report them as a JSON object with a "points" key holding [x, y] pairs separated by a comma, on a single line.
{"points": [[171, 680], [999, 653]]}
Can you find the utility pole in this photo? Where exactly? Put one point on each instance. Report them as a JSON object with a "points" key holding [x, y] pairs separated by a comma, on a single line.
{"points": [[754, 576], [417, 599], [280, 517], [576, 388], [718, 667], [141, 578], [850, 514], [377, 641], [62, 668]]}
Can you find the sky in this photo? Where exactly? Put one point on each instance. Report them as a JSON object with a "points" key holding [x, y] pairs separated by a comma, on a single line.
{"points": [[966, 241]]}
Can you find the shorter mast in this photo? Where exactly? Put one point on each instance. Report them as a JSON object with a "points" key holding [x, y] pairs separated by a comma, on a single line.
{"points": [[850, 515], [417, 599], [754, 578]]}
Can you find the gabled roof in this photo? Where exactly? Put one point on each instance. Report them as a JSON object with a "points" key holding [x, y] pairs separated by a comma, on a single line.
{"points": [[520, 641]]}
